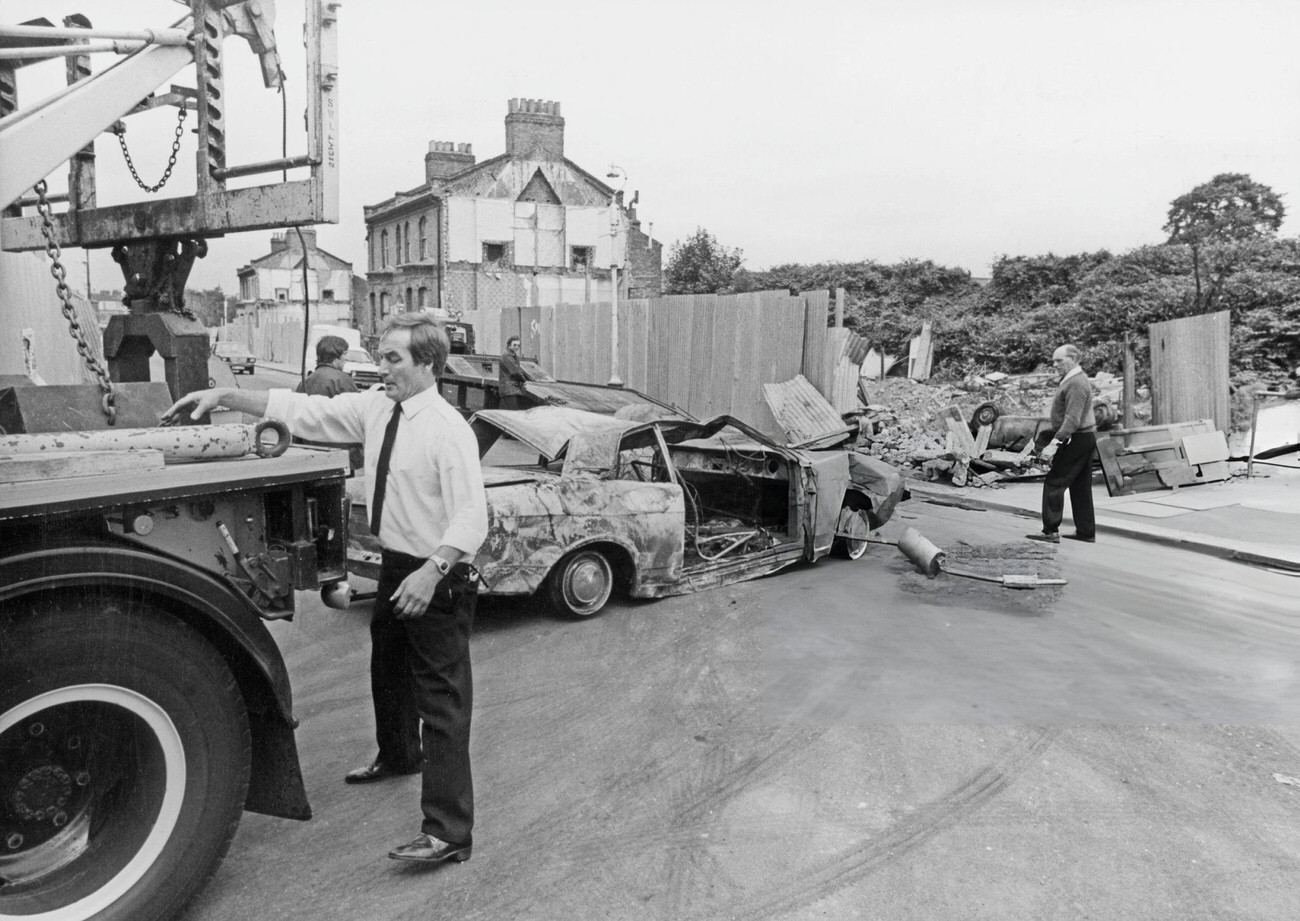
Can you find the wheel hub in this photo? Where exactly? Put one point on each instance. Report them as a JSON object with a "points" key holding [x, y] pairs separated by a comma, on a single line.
{"points": [[42, 794], [586, 583]]}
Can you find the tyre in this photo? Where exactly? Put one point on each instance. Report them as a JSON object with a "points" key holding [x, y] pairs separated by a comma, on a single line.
{"points": [[984, 414], [853, 529], [581, 584], [124, 762]]}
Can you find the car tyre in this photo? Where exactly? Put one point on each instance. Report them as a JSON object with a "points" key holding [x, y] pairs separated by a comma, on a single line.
{"points": [[856, 527], [581, 584], [124, 761]]}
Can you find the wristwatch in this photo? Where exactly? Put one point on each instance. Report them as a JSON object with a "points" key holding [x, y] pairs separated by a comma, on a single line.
{"points": [[442, 565]]}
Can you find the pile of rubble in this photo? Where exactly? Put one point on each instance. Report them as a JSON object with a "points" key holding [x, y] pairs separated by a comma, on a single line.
{"points": [[952, 432]]}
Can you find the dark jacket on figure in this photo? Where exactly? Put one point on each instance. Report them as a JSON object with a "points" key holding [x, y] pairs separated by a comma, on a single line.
{"points": [[510, 376], [327, 381], [1072, 407]]}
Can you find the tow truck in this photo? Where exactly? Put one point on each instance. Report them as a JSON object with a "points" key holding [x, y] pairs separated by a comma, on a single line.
{"points": [[144, 704]]}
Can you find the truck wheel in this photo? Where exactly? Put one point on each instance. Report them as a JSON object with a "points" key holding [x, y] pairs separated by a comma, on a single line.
{"points": [[854, 529], [124, 761], [581, 584]]}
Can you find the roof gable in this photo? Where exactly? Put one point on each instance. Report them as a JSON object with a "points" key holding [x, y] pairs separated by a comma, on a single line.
{"points": [[539, 190]]}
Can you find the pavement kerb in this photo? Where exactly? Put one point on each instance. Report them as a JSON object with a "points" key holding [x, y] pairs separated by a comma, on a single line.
{"points": [[1223, 547]]}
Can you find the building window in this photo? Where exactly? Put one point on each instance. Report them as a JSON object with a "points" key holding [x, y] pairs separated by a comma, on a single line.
{"points": [[370, 248], [409, 302], [282, 294], [383, 305], [406, 244], [494, 254], [383, 250], [327, 294], [424, 238], [423, 295], [580, 258]]}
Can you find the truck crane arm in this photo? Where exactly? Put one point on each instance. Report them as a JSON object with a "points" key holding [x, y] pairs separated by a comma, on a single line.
{"points": [[35, 140]]}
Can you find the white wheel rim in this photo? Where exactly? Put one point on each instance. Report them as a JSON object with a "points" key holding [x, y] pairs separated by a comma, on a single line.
{"points": [[169, 811]]}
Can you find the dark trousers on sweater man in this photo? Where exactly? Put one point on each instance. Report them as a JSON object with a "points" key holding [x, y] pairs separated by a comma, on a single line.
{"points": [[1071, 470], [420, 674]]}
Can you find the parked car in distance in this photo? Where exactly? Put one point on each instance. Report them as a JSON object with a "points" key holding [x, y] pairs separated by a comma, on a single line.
{"points": [[581, 505], [237, 355], [362, 368]]}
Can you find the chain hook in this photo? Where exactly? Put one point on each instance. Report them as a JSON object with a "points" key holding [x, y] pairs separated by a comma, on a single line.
{"points": [[60, 274], [120, 131]]}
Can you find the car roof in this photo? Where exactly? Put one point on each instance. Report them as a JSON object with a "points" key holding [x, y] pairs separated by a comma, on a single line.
{"points": [[549, 430]]}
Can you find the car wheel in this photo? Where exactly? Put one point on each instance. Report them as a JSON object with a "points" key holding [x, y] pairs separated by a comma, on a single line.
{"points": [[581, 584], [124, 762], [252, 370], [853, 529]]}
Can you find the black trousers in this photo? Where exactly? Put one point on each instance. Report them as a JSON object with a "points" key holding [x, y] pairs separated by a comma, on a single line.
{"points": [[1071, 470], [420, 674]]}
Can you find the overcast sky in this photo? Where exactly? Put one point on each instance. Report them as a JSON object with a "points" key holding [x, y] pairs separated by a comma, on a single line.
{"points": [[951, 130]]}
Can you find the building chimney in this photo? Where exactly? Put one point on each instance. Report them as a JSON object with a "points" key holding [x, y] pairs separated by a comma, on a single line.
{"points": [[535, 127], [446, 159], [278, 243]]}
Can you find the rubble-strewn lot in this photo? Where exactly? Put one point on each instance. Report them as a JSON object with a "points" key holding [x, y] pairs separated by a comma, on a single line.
{"points": [[904, 424]]}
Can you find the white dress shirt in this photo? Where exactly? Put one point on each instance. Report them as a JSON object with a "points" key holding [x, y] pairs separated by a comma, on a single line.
{"points": [[434, 495]]}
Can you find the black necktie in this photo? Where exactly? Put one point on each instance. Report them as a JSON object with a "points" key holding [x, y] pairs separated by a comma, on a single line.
{"points": [[381, 469]]}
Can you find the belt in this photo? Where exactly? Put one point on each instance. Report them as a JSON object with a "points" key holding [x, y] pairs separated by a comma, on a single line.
{"points": [[399, 560]]}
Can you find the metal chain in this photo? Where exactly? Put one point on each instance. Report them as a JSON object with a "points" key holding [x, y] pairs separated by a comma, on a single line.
{"points": [[60, 274], [120, 131]]}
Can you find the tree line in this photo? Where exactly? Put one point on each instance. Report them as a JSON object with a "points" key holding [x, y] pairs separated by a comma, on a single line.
{"points": [[1222, 252]]}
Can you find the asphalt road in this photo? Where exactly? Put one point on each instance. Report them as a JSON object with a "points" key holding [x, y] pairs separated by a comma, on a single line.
{"points": [[844, 740]]}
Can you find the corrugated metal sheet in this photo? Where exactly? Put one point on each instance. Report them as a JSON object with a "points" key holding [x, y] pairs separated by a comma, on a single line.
{"points": [[802, 412]]}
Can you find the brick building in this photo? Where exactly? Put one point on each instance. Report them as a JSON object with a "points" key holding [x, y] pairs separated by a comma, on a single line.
{"points": [[271, 285], [526, 228]]}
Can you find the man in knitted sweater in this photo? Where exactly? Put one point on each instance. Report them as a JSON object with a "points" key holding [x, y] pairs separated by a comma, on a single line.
{"points": [[1070, 452]]}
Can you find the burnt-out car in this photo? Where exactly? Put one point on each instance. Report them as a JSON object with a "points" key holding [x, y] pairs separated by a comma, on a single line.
{"points": [[591, 504]]}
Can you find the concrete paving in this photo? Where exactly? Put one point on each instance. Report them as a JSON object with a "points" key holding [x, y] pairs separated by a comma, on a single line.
{"points": [[1255, 519]]}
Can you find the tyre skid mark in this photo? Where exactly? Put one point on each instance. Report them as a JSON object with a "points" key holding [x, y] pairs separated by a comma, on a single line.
{"points": [[786, 896]]}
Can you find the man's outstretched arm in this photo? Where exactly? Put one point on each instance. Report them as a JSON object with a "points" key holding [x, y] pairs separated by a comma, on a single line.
{"points": [[252, 402]]}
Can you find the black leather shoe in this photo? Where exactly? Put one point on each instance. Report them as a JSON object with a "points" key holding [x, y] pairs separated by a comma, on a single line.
{"points": [[428, 849], [1052, 538], [376, 770], [1086, 540]]}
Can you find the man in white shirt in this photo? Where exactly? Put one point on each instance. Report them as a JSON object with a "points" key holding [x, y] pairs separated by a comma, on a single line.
{"points": [[428, 510]]}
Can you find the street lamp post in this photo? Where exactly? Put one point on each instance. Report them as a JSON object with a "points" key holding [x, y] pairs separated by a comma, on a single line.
{"points": [[615, 172]]}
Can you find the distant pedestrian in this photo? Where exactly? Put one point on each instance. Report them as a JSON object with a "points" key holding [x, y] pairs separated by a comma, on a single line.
{"points": [[511, 377], [1070, 452], [328, 380]]}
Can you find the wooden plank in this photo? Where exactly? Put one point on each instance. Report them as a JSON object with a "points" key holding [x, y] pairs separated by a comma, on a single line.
{"points": [[701, 350], [722, 356], [951, 417], [656, 383], [982, 440], [1189, 369], [1110, 468], [817, 307], [26, 468], [919, 368], [1205, 448], [745, 351]]}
